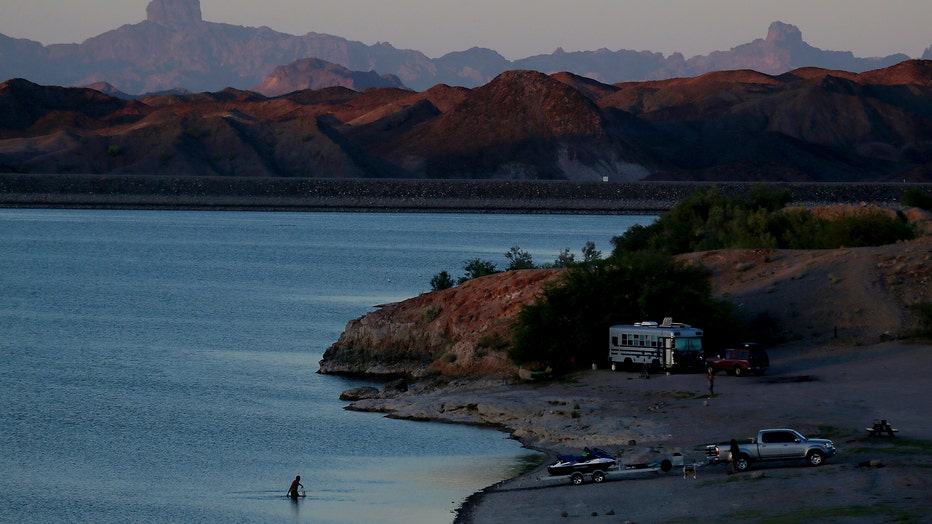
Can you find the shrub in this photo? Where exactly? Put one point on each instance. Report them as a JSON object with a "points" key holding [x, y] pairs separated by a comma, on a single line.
{"points": [[440, 281], [430, 314], [476, 268], [565, 258], [916, 197], [708, 220], [869, 229], [923, 310], [518, 259]]}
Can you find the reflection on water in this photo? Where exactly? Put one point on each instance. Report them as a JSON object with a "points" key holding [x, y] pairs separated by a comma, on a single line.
{"points": [[161, 366]]}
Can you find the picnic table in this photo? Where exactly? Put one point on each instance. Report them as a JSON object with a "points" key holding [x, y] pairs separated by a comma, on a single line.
{"points": [[880, 427]]}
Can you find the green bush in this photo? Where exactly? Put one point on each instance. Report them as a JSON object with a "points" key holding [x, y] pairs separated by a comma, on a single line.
{"points": [[923, 310], [916, 197], [518, 259], [441, 281], [869, 229], [708, 220], [476, 268]]}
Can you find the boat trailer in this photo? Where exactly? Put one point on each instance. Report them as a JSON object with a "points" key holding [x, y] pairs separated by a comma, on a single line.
{"points": [[615, 471]]}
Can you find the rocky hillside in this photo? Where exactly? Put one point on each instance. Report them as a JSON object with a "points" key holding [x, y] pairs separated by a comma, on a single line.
{"points": [[458, 331], [313, 73], [860, 295], [806, 125], [175, 48]]}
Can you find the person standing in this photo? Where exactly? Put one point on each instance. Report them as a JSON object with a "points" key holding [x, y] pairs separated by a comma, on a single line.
{"points": [[733, 455], [711, 383], [293, 490]]}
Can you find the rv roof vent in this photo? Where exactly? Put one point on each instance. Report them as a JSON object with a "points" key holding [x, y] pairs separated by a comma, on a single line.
{"points": [[646, 324], [667, 322]]}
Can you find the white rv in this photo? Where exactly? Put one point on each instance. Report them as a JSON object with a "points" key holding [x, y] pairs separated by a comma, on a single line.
{"points": [[668, 345]]}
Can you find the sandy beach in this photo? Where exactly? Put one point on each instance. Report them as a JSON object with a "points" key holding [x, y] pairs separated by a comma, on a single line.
{"points": [[827, 391]]}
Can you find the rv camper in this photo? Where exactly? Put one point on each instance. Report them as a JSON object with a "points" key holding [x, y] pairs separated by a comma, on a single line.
{"points": [[665, 346]]}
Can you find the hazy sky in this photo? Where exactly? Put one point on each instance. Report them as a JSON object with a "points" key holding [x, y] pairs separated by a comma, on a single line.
{"points": [[520, 28]]}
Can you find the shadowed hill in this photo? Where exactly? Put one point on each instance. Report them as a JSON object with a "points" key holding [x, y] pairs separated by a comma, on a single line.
{"points": [[805, 125]]}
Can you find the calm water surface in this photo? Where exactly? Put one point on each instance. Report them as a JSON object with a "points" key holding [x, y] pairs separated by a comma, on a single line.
{"points": [[160, 366]]}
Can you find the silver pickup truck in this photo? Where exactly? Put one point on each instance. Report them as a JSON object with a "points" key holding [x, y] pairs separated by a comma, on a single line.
{"points": [[773, 444]]}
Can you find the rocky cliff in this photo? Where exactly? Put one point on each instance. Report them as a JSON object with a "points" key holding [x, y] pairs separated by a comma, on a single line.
{"points": [[313, 73], [461, 331], [174, 12]]}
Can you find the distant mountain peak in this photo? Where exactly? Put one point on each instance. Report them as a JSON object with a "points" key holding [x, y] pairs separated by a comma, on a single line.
{"points": [[174, 12], [780, 32]]}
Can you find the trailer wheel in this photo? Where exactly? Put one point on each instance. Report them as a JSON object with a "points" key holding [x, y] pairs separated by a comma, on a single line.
{"points": [[576, 479], [598, 476], [666, 465]]}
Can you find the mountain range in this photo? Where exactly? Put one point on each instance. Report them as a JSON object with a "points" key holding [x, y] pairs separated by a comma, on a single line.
{"points": [[808, 124], [175, 48]]}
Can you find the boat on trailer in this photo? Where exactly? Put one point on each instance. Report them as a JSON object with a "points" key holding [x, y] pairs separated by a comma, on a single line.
{"points": [[589, 461]]}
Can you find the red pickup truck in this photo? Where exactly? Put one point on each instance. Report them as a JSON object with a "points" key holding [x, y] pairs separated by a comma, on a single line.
{"points": [[746, 358]]}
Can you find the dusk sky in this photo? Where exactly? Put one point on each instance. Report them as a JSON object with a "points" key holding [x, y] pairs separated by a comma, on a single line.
{"points": [[520, 28]]}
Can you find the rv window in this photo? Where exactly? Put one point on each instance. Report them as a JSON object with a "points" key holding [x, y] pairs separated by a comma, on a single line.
{"points": [[614, 341], [691, 343]]}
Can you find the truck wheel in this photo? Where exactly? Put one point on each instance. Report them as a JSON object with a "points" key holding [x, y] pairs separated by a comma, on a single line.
{"points": [[739, 371], [743, 463], [598, 476], [815, 458], [577, 479]]}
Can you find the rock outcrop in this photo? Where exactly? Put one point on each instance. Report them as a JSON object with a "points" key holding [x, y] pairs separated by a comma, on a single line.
{"points": [[174, 12], [313, 73], [462, 331]]}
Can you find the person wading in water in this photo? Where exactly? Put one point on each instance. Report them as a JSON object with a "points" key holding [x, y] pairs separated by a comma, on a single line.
{"points": [[293, 490]]}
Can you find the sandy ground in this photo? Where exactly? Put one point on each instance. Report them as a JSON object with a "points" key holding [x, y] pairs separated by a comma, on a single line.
{"points": [[828, 392]]}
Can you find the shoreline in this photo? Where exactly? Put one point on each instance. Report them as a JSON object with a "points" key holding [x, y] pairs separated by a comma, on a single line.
{"points": [[397, 195], [829, 391]]}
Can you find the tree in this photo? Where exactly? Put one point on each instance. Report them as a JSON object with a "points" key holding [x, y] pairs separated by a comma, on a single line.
{"points": [[518, 259], [590, 253], [565, 258], [441, 281], [476, 268]]}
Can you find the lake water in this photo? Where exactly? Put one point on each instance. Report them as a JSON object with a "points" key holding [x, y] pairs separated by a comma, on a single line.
{"points": [[159, 366]]}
